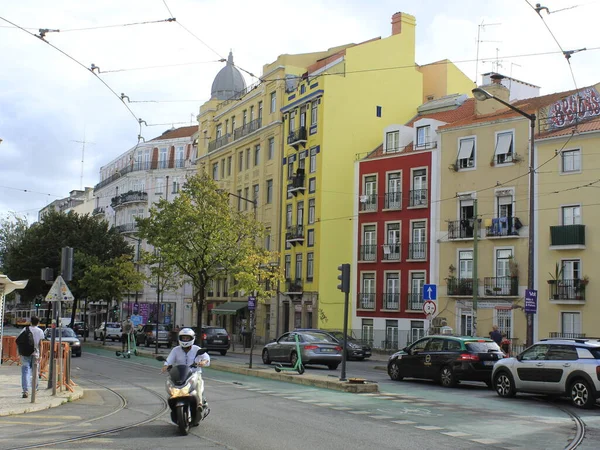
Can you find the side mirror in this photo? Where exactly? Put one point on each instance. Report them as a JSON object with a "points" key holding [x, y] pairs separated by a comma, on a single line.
{"points": [[405, 349], [519, 358], [161, 358], [201, 351]]}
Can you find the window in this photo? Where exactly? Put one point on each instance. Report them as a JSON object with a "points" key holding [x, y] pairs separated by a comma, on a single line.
{"points": [[571, 322], [311, 210], [535, 353], [392, 141], [313, 160], [292, 123], [393, 196], [232, 123], [180, 156], [415, 298], [269, 192], [391, 334], [256, 155], [239, 193], [417, 330], [503, 318], [246, 195], [288, 267], [215, 172], [503, 259], [175, 185], [160, 186], [229, 161], [505, 206], [240, 161], [466, 322], [302, 89], [312, 185], [466, 153], [219, 131], [418, 195], [313, 113], [369, 243], [391, 248], [273, 102], [247, 158], [288, 216], [369, 198], [391, 297], [255, 191], [268, 239], [260, 110], [367, 294], [378, 111], [251, 113], [418, 246], [298, 266], [423, 136], [146, 159], [571, 215], [226, 125], [571, 161], [271, 148], [223, 168], [310, 238], [571, 270], [504, 147], [290, 169], [300, 213], [367, 331], [162, 162], [310, 266], [465, 264], [244, 117]]}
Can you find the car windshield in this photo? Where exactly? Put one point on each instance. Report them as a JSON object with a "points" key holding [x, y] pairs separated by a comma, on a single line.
{"points": [[340, 336], [216, 331], [319, 337], [482, 347], [113, 325], [66, 332]]}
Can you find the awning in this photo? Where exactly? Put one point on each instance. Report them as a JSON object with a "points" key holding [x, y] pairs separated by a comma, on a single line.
{"points": [[504, 143], [229, 308], [466, 148]]}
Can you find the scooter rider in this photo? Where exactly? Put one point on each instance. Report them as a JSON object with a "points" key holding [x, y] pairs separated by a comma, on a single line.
{"points": [[185, 354]]}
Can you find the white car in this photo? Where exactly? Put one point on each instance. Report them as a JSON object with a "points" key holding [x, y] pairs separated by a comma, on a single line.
{"points": [[113, 331]]}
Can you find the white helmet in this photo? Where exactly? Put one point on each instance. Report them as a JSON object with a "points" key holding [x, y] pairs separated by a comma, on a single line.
{"points": [[186, 337]]}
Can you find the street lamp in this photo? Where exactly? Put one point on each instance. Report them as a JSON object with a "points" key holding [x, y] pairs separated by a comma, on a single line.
{"points": [[482, 95]]}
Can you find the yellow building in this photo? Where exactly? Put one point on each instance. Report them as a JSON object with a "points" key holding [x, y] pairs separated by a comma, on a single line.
{"points": [[567, 215], [334, 111]]}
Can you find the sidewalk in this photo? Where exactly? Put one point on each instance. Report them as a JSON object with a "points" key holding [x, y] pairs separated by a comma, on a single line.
{"points": [[11, 402]]}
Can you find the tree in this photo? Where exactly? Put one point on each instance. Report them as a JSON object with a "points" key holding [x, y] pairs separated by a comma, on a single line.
{"points": [[12, 232], [200, 235], [258, 273], [162, 276]]}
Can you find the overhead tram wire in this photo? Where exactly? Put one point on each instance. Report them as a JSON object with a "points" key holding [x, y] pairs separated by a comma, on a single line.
{"points": [[100, 27], [161, 66]]}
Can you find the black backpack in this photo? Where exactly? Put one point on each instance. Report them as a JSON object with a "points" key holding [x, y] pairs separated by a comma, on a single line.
{"points": [[25, 343]]}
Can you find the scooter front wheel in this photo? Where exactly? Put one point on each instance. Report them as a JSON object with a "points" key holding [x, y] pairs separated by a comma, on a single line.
{"points": [[183, 421], [277, 369], [301, 369]]}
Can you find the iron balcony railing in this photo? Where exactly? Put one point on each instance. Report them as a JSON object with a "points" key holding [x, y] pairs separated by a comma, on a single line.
{"points": [[560, 335], [368, 253], [368, 202], [567, 235], [294, 285], [418, 197], [417, 250], [567, 289], [297, 182], [139, 166], [393, 200], [297, 136], [391, 252], [501, 286], [127, 227], [129, 197], [295, 233], [503, 226], [98, 210], [460, 229], [219, 142], [391, 300], [246, 129], [366, 300], [414, 301], [460, 286]]}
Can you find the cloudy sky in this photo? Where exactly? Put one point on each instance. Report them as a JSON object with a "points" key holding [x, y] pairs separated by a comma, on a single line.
{"points": [[48, 102]]}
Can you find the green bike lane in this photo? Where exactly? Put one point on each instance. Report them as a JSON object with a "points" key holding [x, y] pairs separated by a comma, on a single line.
{"points": [[466, 413]]}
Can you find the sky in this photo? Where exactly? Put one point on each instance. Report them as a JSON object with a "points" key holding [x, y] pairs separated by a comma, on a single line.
{"points": [[50, 104]]}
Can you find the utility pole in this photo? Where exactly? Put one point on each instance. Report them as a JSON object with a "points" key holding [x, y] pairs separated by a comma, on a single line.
{"points": [[344, 286], [475, 258]]}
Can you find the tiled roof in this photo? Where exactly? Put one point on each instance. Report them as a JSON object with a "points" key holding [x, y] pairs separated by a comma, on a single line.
{"points": [[177, 133], [582, 127]]}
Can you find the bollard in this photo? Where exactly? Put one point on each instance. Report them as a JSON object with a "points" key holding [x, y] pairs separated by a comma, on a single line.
{"points": [[34, 378]]}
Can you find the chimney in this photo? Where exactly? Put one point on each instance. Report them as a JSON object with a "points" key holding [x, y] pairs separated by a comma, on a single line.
{"points": [[497, 89], [397, 23]]}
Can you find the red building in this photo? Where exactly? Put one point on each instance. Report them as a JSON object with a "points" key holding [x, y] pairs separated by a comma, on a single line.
{"points": [[397, 203]]}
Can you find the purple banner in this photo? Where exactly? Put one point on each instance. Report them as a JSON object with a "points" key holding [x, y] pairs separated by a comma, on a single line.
{"points": [[530, 301]]}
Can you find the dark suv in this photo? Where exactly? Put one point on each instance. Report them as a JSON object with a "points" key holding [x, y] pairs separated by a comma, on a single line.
{"points": [[213, 339], [447, 359]]}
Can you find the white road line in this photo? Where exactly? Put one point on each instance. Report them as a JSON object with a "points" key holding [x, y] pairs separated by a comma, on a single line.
{"points": [[381, 417], [359, 412], [428, 427], [486, 441], [455, 433], [403, 422], [323, 404], [293, 398], [402, 401], [341, 408]]}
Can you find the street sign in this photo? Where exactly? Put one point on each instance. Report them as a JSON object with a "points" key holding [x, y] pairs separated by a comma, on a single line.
{"points": [[59, 292], [429, 292], [251, 303], [530, 301], [429, 307]]}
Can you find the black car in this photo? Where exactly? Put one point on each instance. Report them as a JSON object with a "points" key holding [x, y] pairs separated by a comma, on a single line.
{"points": [[447, 359], [355, 349], [213, 338], [81, 329]]}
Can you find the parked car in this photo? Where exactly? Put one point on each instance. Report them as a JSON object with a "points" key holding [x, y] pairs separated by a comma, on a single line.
{"points": [[315, 348], [113, 331], [447, 359], [81, 329], [215, 339], [355, 349], [66, 335], [146, 335], [561, 367]]}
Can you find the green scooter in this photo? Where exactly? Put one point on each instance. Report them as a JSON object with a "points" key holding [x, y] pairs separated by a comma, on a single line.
{"points": [[131, 345], [298, 366]]}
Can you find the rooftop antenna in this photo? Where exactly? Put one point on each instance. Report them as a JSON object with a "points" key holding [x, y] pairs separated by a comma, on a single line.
{"points": [[82, 157], [498, 62], [481, 27], [512, 64]]}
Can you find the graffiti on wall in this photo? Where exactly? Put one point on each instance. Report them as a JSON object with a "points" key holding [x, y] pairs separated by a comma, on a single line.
{"points": [[574, 108]]}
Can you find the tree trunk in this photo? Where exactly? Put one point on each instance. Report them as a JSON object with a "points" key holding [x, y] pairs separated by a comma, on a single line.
{"points": [[73, 312], [200, 306]]}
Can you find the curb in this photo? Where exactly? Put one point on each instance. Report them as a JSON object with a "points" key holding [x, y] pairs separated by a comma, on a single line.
{"points": [[52, 403]]}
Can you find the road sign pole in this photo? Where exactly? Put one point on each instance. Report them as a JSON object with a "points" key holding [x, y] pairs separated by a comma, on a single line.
{"points": [[475, 258], [251, 308]]}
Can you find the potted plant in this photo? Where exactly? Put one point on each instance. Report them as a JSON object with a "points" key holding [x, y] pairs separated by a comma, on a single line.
{"points": [[557, 274], [453, 167], [451, 279], [513, 267]]}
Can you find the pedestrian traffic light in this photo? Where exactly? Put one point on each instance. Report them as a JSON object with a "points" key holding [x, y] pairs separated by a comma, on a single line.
{"points": [[344, 278]]}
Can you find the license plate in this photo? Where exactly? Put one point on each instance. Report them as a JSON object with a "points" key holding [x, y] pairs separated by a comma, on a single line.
{"points": [[367, 353], [327, 350], [217, 341], [489, 363]]}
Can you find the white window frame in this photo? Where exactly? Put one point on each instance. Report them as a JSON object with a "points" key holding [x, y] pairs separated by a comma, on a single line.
{"points": [[510, 154], [314, 114], [566, 207], [299, 266], [271, 148], [313, 160], [562, 321], [392, 141], [473, 166], [310, 266], [458, 260], [310, 237], [312, 185], [311, 210], [396, 204], [562, 170], [426, 135], [273, 99], [501, 321], [163, 157], [395, 275], [370, 275]]}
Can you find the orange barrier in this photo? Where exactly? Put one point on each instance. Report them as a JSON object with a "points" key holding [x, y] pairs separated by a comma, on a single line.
{"points": [[9, 350]]}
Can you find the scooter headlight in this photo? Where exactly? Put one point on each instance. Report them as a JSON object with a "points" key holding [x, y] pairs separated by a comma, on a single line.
{"points": [[180, 392]]}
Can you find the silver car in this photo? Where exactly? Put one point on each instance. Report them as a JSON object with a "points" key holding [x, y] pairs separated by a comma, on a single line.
{"points": [[68, 336], [315, 348], [561, 367]]}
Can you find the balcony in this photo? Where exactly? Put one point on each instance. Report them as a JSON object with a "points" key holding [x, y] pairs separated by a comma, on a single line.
{"points": [[368, 253], [391, 301], [297, 183], [246, 129], [567, 237], [460, 229], [393, 200], [560, 335], [501, 286], [98, 211], [503, 227], [295, 234], [297, 137], [129, 197], [414, 301], [293, 286], [391, 252], [569, 290], [418, 198], [219, 142], [368, 203], [366, 300], [127, 228], [417, 251], [460, 286]]}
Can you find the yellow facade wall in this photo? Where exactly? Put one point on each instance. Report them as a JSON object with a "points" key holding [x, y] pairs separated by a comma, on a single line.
{"points": [[443, 78]]}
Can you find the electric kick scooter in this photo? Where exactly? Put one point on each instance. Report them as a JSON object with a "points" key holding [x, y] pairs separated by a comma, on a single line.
{"points": [[297, 366]]}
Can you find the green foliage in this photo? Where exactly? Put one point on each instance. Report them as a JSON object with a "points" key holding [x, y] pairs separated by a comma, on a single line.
{"points": [[258, 273], [164, 277], [112, 279], [12, 231]]}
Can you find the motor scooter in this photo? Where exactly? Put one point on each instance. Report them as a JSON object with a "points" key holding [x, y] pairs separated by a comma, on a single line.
{"points": [[185, 389]]}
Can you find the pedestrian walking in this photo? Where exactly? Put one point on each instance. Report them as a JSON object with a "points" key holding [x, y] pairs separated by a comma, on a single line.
{"points": [[496, 335], [126, 332], [28, 344]]}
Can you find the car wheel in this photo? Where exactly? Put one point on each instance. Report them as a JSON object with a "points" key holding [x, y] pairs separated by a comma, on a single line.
{"points": [[101, 337], [265, 357], [223, 352], [332, 366], [394, 371], [581, 394], [147, 343], [447, 378], [362, 358], [504, 385]]}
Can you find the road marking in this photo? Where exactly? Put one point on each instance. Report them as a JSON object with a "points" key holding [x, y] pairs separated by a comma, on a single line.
{"points": [[455, 433], [309, 401], [359, 412], [486, 441], [369, 395], [421, 404], [24, 422], [323, 404], [341, 408], [384, 397], [428, 427], [52, 416], [381, 417], [293, 398], [403, 422], [402, 401]]}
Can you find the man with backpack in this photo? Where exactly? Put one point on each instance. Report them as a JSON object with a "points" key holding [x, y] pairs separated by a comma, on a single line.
{"points": [[28, 344]]}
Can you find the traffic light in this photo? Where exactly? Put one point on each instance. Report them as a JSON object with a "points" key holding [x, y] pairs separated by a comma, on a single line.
{"points": [[116, 309], [38, 303], [344, 278]]}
